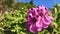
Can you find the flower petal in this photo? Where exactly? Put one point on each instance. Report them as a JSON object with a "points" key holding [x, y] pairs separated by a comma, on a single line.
{"points": [[51, 18], [39, 22], [47, 19], [39, 28], [33, 28], [45, 26]]}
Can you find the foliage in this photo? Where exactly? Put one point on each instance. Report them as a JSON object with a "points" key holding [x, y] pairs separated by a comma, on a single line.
{"points": [[13, 20], [56, 15]]}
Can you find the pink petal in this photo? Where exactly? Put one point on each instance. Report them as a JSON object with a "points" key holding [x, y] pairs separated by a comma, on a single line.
{"points": [[31, 14], [46, 21], [51, 18], [33, 28], [39, 23], [45, 26], [39, 28]]}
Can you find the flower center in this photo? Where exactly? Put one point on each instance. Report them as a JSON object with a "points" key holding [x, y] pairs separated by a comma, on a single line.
{"points": [[33, 20]]}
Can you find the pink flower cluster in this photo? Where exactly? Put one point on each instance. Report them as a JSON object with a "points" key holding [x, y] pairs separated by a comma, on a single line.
{"points": [[38, 18]]}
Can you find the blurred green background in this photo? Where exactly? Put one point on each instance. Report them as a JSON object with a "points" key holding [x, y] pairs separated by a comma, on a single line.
{"points": [[13, 18]]}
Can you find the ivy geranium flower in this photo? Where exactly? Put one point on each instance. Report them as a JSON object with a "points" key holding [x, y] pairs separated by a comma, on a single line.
{"points": [[38, 18]]}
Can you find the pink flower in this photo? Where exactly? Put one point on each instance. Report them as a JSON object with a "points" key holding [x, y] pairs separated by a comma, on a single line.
{"points": [[38, 18]]}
